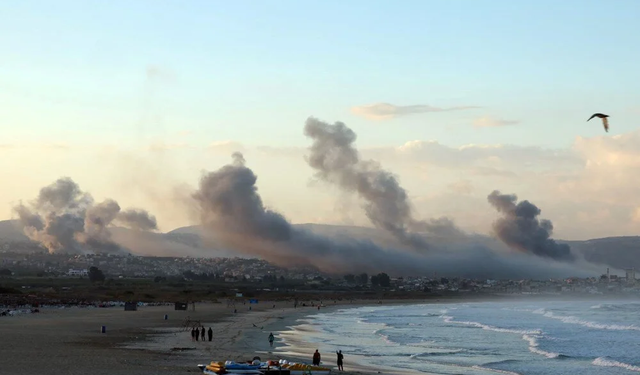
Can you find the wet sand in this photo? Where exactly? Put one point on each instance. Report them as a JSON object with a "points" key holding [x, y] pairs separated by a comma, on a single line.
{"points": [[69, 341]]}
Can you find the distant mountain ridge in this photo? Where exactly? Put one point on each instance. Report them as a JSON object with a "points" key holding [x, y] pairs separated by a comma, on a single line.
{"points": [[617, 252]]}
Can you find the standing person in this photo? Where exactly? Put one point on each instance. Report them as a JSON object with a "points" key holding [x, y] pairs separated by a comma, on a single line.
{"points": [[271, 338], [340, 358], [197, 334], [210, 332], [193, 334], [202, 333], [316, 358]]}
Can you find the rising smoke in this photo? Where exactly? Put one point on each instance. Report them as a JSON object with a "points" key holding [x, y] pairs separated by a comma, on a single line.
{"points": [[336, 160], [520, 229], [137, 219], [63, 218], [232, 212]]}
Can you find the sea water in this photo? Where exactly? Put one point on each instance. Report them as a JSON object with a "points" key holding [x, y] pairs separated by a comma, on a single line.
{"points": [[531, 337]]}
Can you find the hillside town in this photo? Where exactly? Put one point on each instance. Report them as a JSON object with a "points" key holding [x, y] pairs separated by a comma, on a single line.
{"points": [[236, 270]]}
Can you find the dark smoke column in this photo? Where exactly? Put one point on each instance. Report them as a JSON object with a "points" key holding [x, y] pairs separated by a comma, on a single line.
{"points": [[520, 229], [336, 160], [233, 213], [63, 218]]}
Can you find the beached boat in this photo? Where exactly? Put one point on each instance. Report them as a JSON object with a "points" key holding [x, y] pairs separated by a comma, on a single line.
{"points": [[304, 369], [230, 367], [282, 367], [241, 368]]}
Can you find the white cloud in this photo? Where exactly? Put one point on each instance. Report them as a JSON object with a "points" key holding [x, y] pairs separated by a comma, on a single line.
{"points": [[492, 122], [226, 147], [386, 111]]}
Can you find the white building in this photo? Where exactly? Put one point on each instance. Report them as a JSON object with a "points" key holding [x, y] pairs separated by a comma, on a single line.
{"points": [[73, 272]]}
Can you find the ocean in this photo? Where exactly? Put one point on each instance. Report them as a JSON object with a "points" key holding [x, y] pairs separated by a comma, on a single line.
{"points": [[527, 337]]}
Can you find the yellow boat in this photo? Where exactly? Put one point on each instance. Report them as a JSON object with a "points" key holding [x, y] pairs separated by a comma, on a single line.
{"points": [[303, 369]]}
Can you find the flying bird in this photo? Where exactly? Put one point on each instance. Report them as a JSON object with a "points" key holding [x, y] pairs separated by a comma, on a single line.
{"points": [[605, 122]]}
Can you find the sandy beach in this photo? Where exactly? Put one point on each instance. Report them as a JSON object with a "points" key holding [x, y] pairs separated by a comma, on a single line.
{"points": [[69, 341]]}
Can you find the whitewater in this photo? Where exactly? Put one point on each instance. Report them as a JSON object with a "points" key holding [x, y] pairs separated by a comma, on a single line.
{"points": [[526, 337]]}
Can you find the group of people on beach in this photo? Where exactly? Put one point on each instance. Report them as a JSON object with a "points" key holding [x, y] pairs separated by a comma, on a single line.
{"points": [[317, 357], [196, 333]]}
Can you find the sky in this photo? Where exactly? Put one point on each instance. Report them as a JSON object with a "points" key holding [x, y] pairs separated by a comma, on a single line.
{"points": [[134, 100]]}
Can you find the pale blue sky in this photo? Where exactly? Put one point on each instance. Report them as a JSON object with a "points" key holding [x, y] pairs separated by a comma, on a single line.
{"points": [[252, 71]]}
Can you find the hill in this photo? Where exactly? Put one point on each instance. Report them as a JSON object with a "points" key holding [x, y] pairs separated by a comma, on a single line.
{"points": [[616, 252], [11, 232]]}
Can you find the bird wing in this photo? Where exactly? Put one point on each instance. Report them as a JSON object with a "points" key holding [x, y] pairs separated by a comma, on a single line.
{"points": [[592, 116], [605, 122]]}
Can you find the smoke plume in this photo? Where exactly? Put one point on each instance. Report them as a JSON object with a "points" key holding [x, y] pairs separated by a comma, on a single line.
{"points": [[337, 161], [232, 210], [63, 218], [137, 219], [520, 229]]}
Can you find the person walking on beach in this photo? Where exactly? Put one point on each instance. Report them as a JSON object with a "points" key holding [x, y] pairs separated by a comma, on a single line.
{"points": [[197, 334], [202, 333], [271, 338], [340, 358], [316, 358], [210, 332]]}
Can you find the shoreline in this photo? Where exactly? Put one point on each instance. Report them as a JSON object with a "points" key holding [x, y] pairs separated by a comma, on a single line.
{"points": [[236, 338], [142, 342], [299, 350]]}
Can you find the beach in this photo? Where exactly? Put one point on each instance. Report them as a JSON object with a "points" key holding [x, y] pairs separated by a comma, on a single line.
{"points": [[70, 341], [421, 336]]}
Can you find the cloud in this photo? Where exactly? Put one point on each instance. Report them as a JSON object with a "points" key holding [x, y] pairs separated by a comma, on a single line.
{"points": [[492, 122], [480, 159], [225, 147], [386, 111]]}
